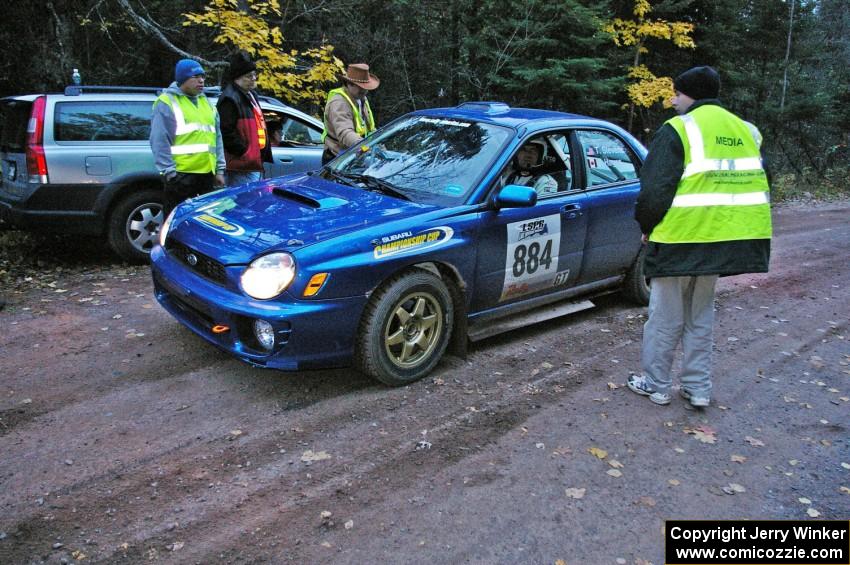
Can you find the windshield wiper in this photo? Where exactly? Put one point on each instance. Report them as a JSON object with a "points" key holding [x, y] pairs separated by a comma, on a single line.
{"points": [[336, 175], [376, 184]]}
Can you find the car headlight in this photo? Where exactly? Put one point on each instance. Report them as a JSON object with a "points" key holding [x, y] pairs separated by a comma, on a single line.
{"points": [[166, 225], [269, 275]]}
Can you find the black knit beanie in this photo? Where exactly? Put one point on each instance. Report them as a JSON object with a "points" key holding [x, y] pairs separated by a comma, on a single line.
{"points": [[240, 64], [698, 83]]}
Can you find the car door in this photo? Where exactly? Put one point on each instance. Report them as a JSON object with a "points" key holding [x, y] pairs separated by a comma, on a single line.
{"points": [[299, 147], [526, 252], [611, 169]]}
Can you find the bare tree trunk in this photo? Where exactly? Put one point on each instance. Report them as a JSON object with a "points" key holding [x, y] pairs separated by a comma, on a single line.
{"points": [[62, 32], [455, 53], [635, 63], [152, 29], [787, 55]]}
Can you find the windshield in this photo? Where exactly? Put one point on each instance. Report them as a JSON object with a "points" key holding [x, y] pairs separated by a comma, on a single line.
{"points": [[428, 160]]}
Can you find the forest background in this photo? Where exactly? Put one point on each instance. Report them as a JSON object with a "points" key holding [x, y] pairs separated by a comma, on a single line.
{"points": [[785, 64]]}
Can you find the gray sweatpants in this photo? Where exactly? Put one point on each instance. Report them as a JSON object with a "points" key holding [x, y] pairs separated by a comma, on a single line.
{"points": [[680, 309]]}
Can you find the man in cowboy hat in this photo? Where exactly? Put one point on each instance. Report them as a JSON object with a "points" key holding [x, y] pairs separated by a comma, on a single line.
{"points": [[348, 117]]}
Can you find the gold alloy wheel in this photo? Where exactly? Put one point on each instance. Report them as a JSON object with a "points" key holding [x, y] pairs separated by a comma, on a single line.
{"points": [[413, 330]]}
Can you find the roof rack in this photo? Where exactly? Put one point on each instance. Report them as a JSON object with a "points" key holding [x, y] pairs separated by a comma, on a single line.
{"points": [[76, 90]]}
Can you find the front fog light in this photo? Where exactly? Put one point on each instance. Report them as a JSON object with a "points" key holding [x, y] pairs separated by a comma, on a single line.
{"points": [[264, 332]]}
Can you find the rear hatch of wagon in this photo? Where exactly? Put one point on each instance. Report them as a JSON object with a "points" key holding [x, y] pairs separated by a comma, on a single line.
{"points": [[21, 149]]}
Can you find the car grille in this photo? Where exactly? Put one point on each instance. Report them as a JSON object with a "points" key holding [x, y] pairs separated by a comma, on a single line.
{"points": [[203, 265]]}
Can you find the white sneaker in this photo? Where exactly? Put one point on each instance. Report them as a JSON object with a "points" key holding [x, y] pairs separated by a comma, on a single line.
{"points": [[639, 384], [697, 401]]}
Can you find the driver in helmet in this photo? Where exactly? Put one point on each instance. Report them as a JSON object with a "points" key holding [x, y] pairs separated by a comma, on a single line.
{"points": [[529, 156]]}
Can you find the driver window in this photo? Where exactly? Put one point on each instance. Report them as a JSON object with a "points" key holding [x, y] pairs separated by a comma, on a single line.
{"points": [[283, 128], [540, 163], [608, 159], [296, 131]]}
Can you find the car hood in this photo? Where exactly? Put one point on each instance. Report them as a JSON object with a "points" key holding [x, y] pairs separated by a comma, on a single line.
{"points": [[287, 213]]}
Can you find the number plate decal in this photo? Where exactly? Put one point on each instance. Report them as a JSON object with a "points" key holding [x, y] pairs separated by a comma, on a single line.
{"points": [[531, 258]]}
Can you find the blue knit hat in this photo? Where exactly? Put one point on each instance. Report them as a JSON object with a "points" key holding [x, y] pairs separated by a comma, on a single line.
{"points": [[186, 69]]}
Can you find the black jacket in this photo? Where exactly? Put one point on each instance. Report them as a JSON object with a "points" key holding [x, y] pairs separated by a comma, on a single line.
{"points": [[235, 111], [660, 176]]}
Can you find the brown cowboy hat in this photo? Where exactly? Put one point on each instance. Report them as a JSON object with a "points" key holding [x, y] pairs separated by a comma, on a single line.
{"points": [[358, 73]]}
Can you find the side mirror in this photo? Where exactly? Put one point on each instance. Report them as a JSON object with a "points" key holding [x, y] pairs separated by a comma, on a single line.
{"points": [[515, 196]]}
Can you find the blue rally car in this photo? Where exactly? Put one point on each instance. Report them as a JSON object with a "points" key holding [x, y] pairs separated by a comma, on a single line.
{"points": [[444, 225]]}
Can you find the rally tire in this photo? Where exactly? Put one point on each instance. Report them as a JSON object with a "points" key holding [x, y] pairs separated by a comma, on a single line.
{"points": [[405, 328], [636, 285], [133, 225]]}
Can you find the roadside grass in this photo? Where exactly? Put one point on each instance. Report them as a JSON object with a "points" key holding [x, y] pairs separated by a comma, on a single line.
{"points": [[811, 186]]}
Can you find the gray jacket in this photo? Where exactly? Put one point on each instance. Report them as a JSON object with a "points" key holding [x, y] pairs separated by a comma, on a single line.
{"points": [[163, 127]]}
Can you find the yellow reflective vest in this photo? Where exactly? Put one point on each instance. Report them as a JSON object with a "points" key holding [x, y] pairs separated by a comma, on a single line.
{"points": [[194, 145], [723, 194], [363, 128]]}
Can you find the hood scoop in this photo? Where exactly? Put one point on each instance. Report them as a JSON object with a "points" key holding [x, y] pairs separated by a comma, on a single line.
{"points": [[318, 204], [300, 198]]}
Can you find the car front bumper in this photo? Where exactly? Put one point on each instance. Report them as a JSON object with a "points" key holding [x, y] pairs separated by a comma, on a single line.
{"points": [[309, 334]]}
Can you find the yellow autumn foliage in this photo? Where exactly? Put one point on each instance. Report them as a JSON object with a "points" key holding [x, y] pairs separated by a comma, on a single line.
{"points": [[648, 88], [645, 89], [296, 76]]}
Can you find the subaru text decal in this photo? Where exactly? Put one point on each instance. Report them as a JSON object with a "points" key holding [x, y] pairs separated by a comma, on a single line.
{"points": [[408, 242]]}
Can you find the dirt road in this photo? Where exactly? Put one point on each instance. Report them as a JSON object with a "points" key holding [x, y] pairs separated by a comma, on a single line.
{"points": [[125, 438]]}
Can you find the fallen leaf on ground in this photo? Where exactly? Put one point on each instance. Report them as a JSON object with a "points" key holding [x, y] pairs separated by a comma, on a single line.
{"points": [[754, 442], [645, 501], [613, 386], [674, 482], [309, 455], [616, 464], [702, 433], [678, 450], [804, 500], [596, 452], [844, 490], [563, 451], [575, 492], [614, 473], [812, 512], [349, 524], [845, 465], [738, 458]]}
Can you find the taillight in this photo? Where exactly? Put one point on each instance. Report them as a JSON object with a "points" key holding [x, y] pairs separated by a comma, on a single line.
{"points": [[36, 162]]}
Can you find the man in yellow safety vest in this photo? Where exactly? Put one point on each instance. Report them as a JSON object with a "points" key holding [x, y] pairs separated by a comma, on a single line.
{"points": [[186, 137], [704, 210], [348, 117]]}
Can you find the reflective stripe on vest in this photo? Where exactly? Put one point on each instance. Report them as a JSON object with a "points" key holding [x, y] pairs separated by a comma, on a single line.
{"points": [[723, 194], [362, 129], [260, 121], [194, 145]]}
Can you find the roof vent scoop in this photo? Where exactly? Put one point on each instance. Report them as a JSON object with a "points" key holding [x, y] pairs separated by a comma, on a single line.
{"points": [[486, 107]]}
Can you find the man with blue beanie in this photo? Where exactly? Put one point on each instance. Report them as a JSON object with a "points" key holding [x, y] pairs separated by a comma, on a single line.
{"points": [[186, 137]]}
